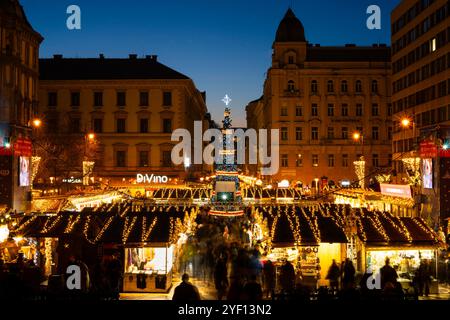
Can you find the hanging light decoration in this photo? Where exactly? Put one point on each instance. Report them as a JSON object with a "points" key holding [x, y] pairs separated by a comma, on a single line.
{"points": [[360, 168]]}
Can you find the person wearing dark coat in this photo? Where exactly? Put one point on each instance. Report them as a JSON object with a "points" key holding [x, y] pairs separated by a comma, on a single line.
{"points": [[333, 276], [287, 277], [269, 278], [221, 278], [348, 277], [424, 278], [186, 291], [388, 274], [252, 289]]}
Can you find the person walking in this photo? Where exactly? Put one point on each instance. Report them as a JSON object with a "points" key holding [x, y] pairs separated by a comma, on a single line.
{"points": [[221, 278], [287, 277], [388, 274], [252, 289], [348, 277], [333, 276], [424, 278], [269, 278], [186, 291]]}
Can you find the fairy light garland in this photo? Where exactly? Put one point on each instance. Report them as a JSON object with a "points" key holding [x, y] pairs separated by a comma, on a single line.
{"points": [[26, 223], [146, 232], [379, 227], [71, 223], [313, 225], [47, 228], [86, 229], [295, 229], [402, 229], [103, 229], [128, 226], [424, 228], [361, 229]]}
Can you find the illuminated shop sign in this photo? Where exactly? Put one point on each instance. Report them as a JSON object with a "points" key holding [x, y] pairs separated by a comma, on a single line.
{"points": [[72, 180], [146, 178], [396, 190]]}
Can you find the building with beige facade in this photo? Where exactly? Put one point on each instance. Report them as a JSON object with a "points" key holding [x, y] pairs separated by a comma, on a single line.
{"points": [[121, 112], [318, 97], [420, 98], [19, 52]]}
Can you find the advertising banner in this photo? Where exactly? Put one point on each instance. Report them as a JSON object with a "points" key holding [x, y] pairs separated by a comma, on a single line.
{"points": [[6, 172]]}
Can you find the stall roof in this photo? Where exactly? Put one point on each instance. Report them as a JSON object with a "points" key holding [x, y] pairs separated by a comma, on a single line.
{"points": [[120, 224]]}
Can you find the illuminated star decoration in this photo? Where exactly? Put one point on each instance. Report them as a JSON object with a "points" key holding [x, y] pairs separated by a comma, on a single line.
{"points": [[226, 100]]}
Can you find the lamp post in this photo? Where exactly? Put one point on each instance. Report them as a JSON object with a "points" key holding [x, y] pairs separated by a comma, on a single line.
{"points": [[360, 162]]}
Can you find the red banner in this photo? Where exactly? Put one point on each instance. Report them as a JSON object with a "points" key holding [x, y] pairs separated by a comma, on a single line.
{"points": [[444, 153], [23, 147], [428, 149]]}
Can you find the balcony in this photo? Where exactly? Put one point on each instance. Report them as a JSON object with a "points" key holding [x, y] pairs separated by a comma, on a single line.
{"points": [[292, 93]]}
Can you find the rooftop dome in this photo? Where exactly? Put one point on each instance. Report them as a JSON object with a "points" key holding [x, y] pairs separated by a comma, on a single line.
{"points": [[290, 29]]}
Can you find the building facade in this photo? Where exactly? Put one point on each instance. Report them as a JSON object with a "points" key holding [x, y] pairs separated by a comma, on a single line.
{"points": [[19, 52], [319, 97], [118, 113], [420, 98]]}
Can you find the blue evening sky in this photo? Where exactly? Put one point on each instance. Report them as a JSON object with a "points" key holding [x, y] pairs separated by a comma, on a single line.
{"points": [[224, 46]]}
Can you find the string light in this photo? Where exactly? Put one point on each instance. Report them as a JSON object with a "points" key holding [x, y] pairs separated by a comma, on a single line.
{"points": [[146, 232], [86, 229], [128, 226], [47, 228], [71, 223], [103, 229]]}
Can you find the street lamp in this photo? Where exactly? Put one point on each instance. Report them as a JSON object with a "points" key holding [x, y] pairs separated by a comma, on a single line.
{"points": [[356, 136], [91, 137], [37, 123], [405, 122]]}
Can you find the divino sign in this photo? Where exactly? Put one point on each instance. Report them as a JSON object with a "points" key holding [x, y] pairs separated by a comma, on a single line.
{"points": [[146, 178]]}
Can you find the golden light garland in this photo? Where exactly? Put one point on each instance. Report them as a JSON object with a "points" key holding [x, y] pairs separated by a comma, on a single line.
{"points": [[86, 228], [103, 229], [25, 224], [313, 225], [71, 223], [361, 229], [294, 228], [128, 226], [402, 229], [424, 228], [47, 228], [360, 168], [378, 226], [146, 232]]}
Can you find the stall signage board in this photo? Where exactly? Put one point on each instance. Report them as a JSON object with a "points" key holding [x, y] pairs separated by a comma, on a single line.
{"points": [[396, 190], [428, 149], [444, 153]]}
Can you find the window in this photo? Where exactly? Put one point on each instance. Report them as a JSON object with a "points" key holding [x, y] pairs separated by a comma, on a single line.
{"points": [[98, 125], [74, 125], [375, 133], [52, 99], [433, 45], [290, 60], [120, 124], [314, 133], [167, 98], [358, 86], [330, 133], [344, 110], [291, 86], [315, 160], [374, 109], [284, 160], [298, 111], [390, 159], [314, 110], [374, 86], [283, 111], [375, 160], [331, 160], [359, 110], [344, 133], [330, 109], [143, 98], [75, 99], [344, 86], [389, 134], [284, 134], [389, 108], [166, 158], [298, 133], [143, 125], [98, 99], [345, 160], [314, 86], [167, 125], [120, 159], [121, 98], [143, 158], [330, 86]]}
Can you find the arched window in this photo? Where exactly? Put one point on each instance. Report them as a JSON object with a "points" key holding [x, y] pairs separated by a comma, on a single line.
{"points": [[330, 86], [314, 86], [344, 87], [291, 59], [374, 86], [291, 85], [358, 86]]}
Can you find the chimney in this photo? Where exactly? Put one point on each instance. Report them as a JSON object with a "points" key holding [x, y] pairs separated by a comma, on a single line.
{"points": [[151, 57], [57, 56], [133, 56], [101, 56]]}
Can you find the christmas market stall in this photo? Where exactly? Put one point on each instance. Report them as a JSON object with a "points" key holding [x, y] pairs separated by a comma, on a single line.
{"points": [[147, 238], [406, 241], [307, 237]]}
